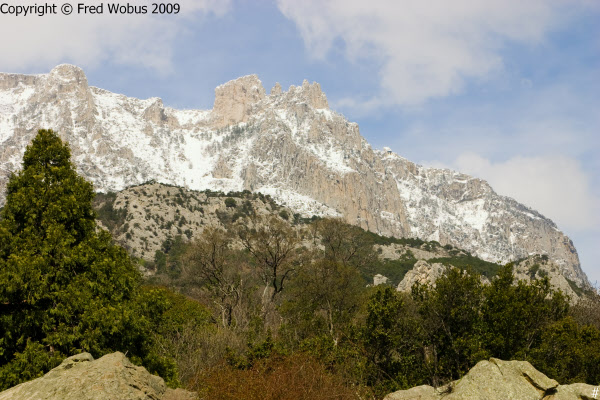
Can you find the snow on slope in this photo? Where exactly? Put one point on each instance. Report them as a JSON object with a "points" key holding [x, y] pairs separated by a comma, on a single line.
{"points": [[286, 144]]}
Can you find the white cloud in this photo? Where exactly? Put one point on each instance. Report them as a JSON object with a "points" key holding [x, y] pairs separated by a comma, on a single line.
{"points": [[35, 42], [556, 186], [426, 49]]}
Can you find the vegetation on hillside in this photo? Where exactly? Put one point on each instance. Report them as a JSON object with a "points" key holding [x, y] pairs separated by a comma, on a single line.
{"points": [[266, 307]]}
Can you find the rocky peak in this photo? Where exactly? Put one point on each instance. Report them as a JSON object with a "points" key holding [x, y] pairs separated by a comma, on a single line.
{"points": [[234, 100], [314, 95], [13, 81], [155, 112], [68, 81], [309, 93], [276, 90], [68, 74]]}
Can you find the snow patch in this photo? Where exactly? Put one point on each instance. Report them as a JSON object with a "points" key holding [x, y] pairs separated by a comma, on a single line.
{"points": [[304, 205]]}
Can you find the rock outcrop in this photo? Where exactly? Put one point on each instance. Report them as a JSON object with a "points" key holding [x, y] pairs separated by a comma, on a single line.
{"points": [[537, 267], [234, 100], [81, 377], [529, 269], [154, 212], [288, 144], [422, 273], [499, 380]]}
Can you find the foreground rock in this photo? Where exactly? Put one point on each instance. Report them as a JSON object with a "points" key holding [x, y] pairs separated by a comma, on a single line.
{"points": [[499, 380], [81, 377]]}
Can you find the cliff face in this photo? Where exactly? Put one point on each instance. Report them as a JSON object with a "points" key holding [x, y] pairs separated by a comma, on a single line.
{"points": [[288, 144]]}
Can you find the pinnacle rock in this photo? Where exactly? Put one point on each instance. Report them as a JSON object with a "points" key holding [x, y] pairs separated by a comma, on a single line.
{"points": [[234, 100]]}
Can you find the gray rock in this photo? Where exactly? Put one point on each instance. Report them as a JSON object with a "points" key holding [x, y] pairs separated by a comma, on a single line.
{"points": [[575, 391], [422, 273], [80, 377], [499, 380], [502, 380], [417, 393]]}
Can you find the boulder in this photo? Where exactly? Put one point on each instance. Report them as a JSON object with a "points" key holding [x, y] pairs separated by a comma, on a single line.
{"points": [[499, 380], [80, 377], [575, 391], [417, 393]]}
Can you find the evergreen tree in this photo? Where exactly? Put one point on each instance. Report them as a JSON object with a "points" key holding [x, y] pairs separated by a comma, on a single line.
{"points": [[393, 342], [64, 287], [516, 314], [452, 320]]}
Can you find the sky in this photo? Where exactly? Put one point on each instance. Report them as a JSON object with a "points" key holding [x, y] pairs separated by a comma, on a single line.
{"points": [[504, 90]]}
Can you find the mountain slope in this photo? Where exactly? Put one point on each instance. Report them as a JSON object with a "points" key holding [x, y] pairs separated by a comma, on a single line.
{"points": [[286, 144], [155, 217]]}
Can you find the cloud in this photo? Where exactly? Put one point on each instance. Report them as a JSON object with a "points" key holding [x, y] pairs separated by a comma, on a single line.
{"points": [[34, 42], [425, 49], [556, 186]]}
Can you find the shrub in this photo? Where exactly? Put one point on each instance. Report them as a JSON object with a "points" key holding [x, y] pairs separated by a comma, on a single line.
{"points": [[297, 377], [230, 202]]}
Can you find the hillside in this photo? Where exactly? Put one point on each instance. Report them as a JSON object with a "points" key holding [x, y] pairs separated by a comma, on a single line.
{"points": [[149, 218]]}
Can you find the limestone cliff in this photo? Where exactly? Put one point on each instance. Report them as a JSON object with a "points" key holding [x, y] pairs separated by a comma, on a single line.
{"points": [[288, 144]]}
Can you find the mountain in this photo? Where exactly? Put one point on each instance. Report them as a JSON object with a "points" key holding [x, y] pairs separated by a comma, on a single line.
{"points": [[287, 144]]}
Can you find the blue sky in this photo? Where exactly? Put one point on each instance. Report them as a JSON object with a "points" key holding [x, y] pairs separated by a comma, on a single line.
{"points": [[508, 91]]}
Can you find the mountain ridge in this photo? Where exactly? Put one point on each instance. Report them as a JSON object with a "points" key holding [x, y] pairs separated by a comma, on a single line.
{"points": [[269, 143]]}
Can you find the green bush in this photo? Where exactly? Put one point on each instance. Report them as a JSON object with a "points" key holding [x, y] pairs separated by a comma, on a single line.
{"points": [[64, 286], [230, 202]]}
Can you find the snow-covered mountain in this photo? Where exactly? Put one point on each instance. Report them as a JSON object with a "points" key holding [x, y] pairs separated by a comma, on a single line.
{"points": [[288, 144]]}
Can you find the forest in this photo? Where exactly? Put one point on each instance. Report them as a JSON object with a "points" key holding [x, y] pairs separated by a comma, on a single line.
{"points": [[270, 307]]}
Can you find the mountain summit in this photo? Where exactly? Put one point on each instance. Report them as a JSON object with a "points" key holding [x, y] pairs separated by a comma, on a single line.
{"points": [[287, 144]]}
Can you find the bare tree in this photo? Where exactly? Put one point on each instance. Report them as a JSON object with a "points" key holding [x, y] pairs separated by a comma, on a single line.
{"points": [[344, 243], [273, 244], [328, 290], [210, 262]]}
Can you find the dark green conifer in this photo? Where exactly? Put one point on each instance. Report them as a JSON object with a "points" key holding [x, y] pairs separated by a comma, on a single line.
{"points": [[64, 287]]}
